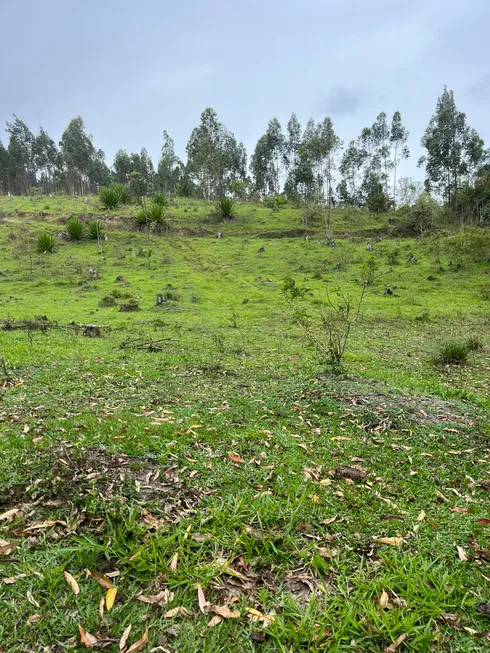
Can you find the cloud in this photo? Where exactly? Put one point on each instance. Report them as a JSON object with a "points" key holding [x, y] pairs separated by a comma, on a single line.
{"points": [[342, 101], [480, 90]]}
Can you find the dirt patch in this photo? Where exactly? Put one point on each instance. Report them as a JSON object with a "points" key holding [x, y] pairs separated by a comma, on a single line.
{"points": [[418, 409]]}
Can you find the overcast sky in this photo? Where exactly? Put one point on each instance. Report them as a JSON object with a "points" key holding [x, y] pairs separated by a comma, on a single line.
{"points": [[132, 68]]}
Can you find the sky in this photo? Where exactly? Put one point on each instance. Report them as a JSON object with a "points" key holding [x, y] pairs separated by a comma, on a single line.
{"points": [[132, 68]]}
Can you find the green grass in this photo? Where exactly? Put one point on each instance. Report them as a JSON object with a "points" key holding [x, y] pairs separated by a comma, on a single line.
{"points": [[206, 427]]}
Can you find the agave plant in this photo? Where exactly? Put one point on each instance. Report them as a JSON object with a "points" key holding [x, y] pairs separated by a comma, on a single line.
{"points": [[226, 208], [141, 218], [113, 196], [75, 228], [46, 244], [161, 199], [94, 229]]}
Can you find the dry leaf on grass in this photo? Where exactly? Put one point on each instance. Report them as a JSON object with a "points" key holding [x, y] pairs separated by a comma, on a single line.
{"points": [[224, 612], [392, 541], [235, 459], [421, 516], [9, 514], [461, 553], [203, 604], [31, 599], [86, 638], [110, 597], [178, 611], [124, 638], [392, 647], [141, 643], [162, 598], [102, 580], [174, 562], [255, 615], [72, 583], [384, 600]]}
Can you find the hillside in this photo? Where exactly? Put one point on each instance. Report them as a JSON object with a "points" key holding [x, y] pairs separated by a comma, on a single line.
{"points": [[237, 490]]}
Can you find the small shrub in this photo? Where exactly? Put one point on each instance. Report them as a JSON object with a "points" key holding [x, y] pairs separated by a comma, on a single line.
{"points": [[161, 199], [475, 343], [275, 202], [107, 301], [141, 219], [452, 352], [94, 229], [46, 244], [75, 228], [113, 196], [226, 208], [130, 306], [156, 214]]}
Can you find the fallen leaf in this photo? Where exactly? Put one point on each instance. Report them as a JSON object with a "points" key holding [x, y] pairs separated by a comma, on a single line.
{"points": [[203, 604], [124, 638], [225, 612], [392, 647], [179, 610], [235, 459], [459, 509], [461, 553], [215, 620], [483, 608], [86, 638], [174, 562], [102, 580], [31, 599], [10, 580], [384, 600], [392, 541], [201, 537], [352, 473], [72, 583], [34, 618], [6, 548], [326, 553], [441, 496], [101, 608], [421, 516], [110, 597], [9, 514], [141, 643], [483, 520], [163, 597]]}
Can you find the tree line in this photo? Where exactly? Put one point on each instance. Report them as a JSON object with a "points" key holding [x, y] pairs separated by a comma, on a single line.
{"points": [[303, 163]]}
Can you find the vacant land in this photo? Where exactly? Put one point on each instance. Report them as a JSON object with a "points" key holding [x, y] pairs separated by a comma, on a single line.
{"points": [[202, 460]]}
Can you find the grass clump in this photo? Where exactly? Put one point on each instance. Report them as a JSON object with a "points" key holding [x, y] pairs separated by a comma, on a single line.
{"points": [[94, 229], [75, 229], [113, 196], [130, 306], [107, 302], [226, 208], [453, 352], [156, 214], [46, 244], [161, 199]]}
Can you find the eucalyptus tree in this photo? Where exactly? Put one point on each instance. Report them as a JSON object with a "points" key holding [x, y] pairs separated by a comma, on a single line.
{"points": [[170, 167], [21, 164]]}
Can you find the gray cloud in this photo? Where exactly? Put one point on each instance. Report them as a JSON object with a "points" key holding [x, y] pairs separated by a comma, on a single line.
{"points": [[342, 100]]}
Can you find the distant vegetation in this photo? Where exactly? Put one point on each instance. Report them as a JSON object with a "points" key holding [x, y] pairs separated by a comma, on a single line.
{"points": [[307, 166]]}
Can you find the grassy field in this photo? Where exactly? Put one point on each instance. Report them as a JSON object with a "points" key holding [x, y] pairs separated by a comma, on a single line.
{"points": [[202, 460]]}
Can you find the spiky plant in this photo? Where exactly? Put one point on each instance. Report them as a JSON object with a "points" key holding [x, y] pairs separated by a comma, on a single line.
{"points": [[75, 228], [113, 196], [141, 219], [226, 208], [161, 199], [45, 244], [156, 215], [452, 352], [94, 229]]}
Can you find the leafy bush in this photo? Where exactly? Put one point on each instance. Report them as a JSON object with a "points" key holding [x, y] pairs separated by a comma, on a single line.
{"points": [[161, 199], [75, 229], [275, 202], [424, 214], [46, 244], [130, 306], [113, 196], [453, 352], [226, 208], [107, 301], [94, 229], [156, 213], [137, 185]]}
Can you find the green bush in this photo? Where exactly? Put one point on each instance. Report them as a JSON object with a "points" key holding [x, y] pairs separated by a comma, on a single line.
{"points": [[226, 208], [113, 196], [75, 228], [156, 213], [453, 352], [161, 199], [424, 214], [141, 219], [45, 244], [275, 202], [94, 229]]}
